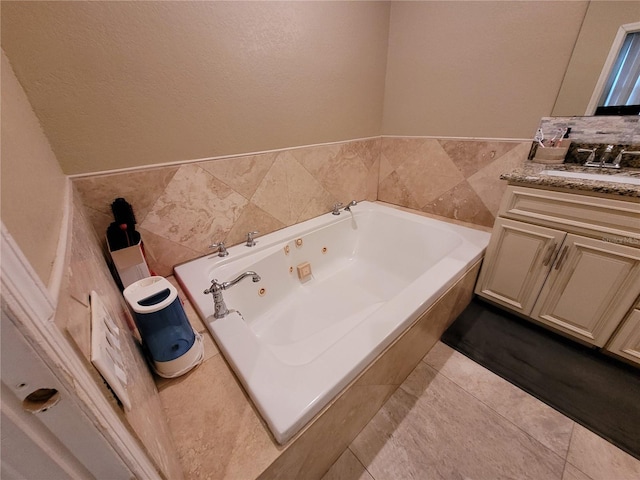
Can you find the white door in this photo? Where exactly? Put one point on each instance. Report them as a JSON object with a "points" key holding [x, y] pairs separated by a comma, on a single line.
{"points": [[44, 432]]}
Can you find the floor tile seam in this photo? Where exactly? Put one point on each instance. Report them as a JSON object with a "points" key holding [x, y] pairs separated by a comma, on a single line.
{"points": [[505, 418], [360, 461], [573, 430], [496, 411]]}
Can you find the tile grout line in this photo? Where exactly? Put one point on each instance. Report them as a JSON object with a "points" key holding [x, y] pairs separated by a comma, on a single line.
{"points": [[438, 372], [363, 465], [573, 428]]}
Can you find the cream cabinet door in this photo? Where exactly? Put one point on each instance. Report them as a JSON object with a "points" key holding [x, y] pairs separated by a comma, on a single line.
{"points": [[626, 342], [591, 287], [518, 259]]}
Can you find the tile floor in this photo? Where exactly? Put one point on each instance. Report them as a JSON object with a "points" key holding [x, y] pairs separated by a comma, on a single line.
{"points": [[454, 419]]}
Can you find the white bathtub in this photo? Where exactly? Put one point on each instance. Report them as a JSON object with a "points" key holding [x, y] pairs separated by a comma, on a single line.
{"points": [[296, 344]]}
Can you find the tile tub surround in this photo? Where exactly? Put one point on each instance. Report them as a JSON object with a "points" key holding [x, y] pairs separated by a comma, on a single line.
{"points": [[219, 434], [86, 271], [453, 178], [183, 208]]}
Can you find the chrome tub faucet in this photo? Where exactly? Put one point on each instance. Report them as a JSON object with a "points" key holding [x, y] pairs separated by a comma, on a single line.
{"points": [[221, 249], [338, 205], [352, 203], [250, 239], [220, 309]]}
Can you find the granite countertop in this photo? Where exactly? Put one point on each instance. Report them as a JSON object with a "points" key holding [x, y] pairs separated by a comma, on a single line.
{"points": [[530, 174]]}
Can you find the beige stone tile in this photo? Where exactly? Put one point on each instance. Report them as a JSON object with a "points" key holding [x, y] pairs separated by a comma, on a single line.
{"points": [[195, 209], [314, 450], [343, 175], [429, 172], [140, 188], [440, 218], [598, 458], [469, 156], [163, 254], [431, 428], [366, 151], [572, 473], [217, 432], [100, 222], [372, 181], [242, 174], [347, 467], [286, 189], [315, 158], [542, 422], [386, 169], [486, 181], [393, 190], [252, 219], [88, 271], [318, 205], [397, 150], [461, 203]]}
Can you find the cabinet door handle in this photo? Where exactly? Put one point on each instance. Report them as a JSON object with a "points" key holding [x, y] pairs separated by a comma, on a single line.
{"points": [[562, 255], [547, 258]]}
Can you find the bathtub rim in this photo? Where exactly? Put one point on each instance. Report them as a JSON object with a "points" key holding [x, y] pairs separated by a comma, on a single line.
{"points": [[282, 428]]}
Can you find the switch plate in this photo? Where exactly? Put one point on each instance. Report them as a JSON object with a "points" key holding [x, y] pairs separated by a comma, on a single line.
{"points": [[106, 355]]}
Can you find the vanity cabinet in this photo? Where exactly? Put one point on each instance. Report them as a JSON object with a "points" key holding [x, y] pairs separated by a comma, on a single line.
{"points": [[561, 267], [626, 341]]}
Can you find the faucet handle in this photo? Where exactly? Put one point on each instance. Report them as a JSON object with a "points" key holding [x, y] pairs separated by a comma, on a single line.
{"points": [[222, 250], [591, 151], [336, 208], [618, 159], [250, 241]]}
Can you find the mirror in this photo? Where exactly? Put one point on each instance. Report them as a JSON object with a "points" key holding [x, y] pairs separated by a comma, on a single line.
{"points": [[591, 51]]}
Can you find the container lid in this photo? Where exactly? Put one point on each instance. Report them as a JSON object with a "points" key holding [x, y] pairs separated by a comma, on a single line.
{"points": [[150, 294]]}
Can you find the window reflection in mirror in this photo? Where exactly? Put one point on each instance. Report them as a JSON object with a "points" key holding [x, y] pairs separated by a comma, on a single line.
{"points": [[621, 94]]}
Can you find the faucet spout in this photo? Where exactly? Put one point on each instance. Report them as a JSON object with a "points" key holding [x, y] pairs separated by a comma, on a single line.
{"points": [[352, 203], [254, 276], [220, 309], [606, 154]]}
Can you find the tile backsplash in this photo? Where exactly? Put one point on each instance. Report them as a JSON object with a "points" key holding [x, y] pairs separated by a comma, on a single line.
{"points": [[182, 209], [596, 132], [600, 129]]}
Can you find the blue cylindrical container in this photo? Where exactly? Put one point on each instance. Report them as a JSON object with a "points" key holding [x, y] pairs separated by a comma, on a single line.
{"points": [[165, 330]]}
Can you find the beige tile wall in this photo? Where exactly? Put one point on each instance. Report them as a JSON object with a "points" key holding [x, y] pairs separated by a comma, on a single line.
{"points": [[456, 179], [182, 209], [87, 271]]}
